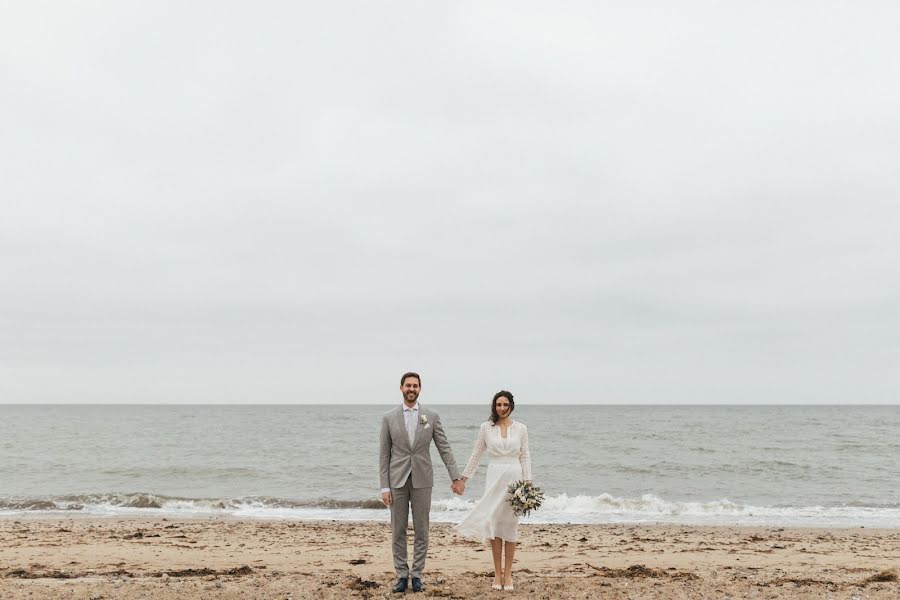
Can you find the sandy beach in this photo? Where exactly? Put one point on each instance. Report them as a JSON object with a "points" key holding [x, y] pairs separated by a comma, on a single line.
{"points": [[220, 558]]}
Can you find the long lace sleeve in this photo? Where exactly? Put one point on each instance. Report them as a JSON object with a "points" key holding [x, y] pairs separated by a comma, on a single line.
{"points": [[525, 455], [480, 446]]}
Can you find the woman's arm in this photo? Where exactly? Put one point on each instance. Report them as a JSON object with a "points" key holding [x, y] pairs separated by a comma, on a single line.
{"points": [[525, 455], [477, 451]]}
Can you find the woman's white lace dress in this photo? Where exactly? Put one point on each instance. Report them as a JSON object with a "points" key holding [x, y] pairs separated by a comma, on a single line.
{"points": [[510, 461]]}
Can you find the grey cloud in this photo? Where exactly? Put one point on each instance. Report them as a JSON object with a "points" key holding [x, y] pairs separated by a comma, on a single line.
{"points": [[586, 202]]}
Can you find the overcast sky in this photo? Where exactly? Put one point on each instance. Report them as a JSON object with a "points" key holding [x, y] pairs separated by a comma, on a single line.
{"points": [[599, 202]]}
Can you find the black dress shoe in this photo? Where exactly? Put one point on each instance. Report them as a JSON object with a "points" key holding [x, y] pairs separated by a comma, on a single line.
{"points": [[401, 584], [418, 586]]}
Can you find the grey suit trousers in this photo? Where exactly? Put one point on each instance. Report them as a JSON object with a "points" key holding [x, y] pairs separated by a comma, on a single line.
{"points": [[420, 500]]}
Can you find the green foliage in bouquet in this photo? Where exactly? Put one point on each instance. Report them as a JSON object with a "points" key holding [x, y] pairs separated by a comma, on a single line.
{"points": [[524, 497]]}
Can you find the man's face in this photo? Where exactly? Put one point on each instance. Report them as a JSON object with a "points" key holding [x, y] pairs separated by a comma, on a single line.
{"points": [[410, 389]]}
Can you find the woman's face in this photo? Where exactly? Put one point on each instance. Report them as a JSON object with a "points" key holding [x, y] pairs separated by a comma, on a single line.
{"points": [[502, 406]]}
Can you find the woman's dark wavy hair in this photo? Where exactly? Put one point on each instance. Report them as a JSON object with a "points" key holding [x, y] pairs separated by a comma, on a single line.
{"points": [[501, 394]]}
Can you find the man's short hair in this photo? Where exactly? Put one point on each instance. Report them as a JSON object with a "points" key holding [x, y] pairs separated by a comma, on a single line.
{"points": [[410, 374]]}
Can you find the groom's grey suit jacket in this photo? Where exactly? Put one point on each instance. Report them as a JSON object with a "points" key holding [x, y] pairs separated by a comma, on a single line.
{"points": [[398, 460]]}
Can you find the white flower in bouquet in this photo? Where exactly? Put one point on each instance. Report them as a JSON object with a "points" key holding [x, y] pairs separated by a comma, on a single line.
{"points": [[524, 497]]}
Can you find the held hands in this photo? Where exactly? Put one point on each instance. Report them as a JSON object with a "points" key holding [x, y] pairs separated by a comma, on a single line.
{"points": [[387, 498], [459, 486]]}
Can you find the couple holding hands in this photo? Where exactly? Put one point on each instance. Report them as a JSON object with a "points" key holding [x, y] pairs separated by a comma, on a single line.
{"points": [[407, 478]]}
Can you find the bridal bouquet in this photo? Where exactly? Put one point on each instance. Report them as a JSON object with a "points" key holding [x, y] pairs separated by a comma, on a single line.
{"points": [[524, 497]]}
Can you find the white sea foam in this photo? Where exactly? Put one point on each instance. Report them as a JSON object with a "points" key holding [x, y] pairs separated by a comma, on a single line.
{"points": [[606, 508], [561, 508]]}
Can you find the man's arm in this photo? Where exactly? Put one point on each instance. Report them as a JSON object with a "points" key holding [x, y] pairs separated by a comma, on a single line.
{"points": [[443, 446], [384, 462]]}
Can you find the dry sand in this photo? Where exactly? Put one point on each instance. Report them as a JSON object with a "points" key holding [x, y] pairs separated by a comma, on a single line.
{"points": [[102, 559]]}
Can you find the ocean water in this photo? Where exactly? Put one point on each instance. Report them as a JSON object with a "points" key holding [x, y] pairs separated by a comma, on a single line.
{"points": [[753, 465]]}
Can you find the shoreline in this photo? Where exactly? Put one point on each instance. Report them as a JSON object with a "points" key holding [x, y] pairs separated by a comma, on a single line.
{"points": [[226, 557], [561, 508], [437, 517], [211, 517]]}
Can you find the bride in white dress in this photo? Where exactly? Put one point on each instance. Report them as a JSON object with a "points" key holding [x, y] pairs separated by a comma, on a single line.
{"points": [[506, 442]]}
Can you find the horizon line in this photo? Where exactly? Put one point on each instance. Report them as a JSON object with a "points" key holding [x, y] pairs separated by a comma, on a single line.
{"points": [[897, 404]]}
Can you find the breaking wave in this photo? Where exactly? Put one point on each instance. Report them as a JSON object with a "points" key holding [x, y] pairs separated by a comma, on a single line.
{"points": [[561, 508]]}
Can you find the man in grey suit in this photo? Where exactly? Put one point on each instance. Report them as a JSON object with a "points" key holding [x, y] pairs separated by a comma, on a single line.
{"points": [[407, 477]]}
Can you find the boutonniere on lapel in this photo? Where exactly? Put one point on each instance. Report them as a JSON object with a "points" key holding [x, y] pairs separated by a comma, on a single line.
{"points": [[424, 421]]}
